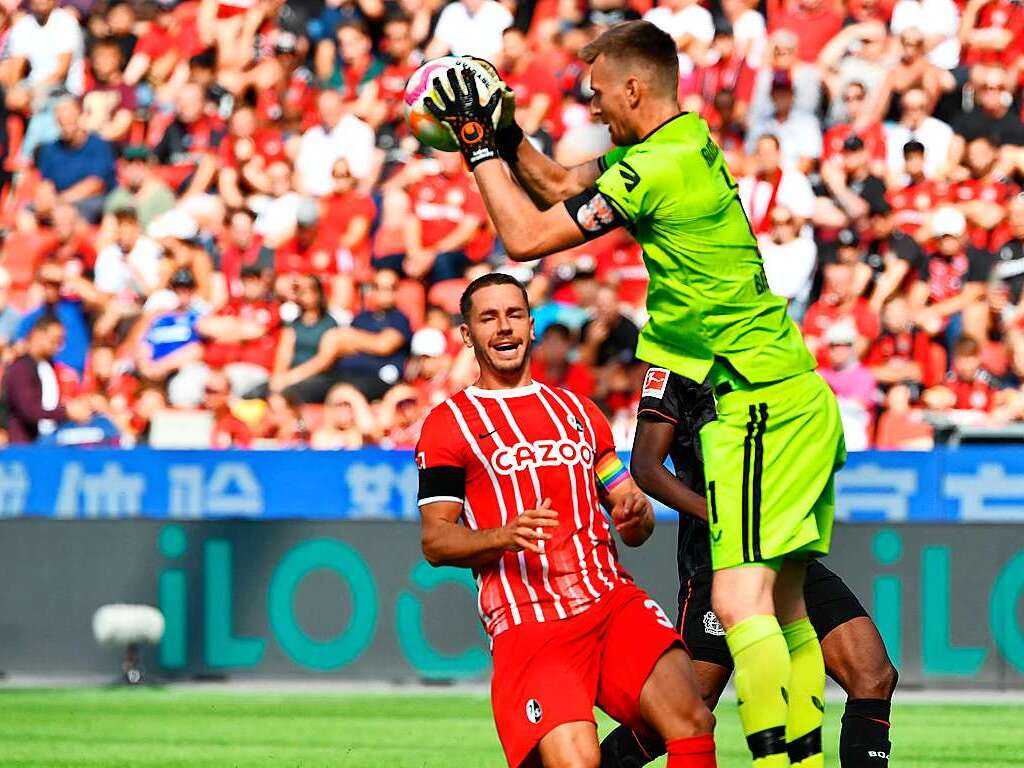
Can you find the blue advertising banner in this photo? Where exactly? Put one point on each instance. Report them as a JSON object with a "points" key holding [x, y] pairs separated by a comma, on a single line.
{"points": [[965, 484]]}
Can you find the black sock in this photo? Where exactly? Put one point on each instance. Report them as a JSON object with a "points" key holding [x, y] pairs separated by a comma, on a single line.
{"points": [[864, 741], [624, 749]]}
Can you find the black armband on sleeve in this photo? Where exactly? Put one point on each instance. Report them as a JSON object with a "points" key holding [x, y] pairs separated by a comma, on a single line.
{"points": [[442, 484], [593, 213]]}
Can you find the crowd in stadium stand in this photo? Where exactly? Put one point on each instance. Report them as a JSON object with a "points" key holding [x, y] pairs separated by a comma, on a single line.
{"points": [[215, 218]]}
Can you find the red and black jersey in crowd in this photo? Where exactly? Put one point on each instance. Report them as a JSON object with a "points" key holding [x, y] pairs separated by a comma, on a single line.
{"points": [[913, 204], [990, 190], [873, 138], [1008, 267], [910, 346], [184, 145], [975, 394], [899, 245], [230, 258], [688, 406], [267, 143], [947, 277]]}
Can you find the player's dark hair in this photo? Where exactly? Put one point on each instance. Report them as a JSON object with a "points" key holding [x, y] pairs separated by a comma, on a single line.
{"points": [[486, 281], [558, 329], [966, 347], [639, 41], [45, 322], [360, 26]]}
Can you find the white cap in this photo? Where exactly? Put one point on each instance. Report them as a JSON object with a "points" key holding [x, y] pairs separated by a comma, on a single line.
{"points": [[175, 223], [948, 221], [841, 332], [429, 342]]}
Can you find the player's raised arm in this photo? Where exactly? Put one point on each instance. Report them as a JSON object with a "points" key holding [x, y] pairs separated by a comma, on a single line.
{"points": [[547, 182], [527, 232], [650, 447]]}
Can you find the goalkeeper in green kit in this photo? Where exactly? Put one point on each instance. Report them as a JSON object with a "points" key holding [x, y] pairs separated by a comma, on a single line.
{"points": [[772, 452]]}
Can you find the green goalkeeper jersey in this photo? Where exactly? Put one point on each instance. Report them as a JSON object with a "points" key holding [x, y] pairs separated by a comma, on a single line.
{"points": [[708, 296]]}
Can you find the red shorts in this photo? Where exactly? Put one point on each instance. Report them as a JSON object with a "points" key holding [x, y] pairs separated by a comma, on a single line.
{"points": [[553, 673]]}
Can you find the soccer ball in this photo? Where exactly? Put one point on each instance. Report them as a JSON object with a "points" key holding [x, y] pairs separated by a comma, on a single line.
{"points": [[427, 128]]}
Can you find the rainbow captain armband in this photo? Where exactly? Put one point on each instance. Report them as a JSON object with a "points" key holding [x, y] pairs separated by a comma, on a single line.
{"points": [[611, 472]]}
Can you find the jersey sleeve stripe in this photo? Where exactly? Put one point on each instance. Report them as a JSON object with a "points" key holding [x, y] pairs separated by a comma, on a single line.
{"points": [[435, 499], [655, 412]]}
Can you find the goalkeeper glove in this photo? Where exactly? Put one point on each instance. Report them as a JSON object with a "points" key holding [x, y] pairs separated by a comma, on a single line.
{"points": [[470, 121], [509, 134]]}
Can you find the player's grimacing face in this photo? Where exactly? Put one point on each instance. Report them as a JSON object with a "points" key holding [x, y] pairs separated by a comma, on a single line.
{"points": [[612, 100], [499, 328]]}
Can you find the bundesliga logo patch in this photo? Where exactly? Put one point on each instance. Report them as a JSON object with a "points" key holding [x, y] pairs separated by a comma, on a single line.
{"points": [[533, 711], [655, 383], [712, 626]]}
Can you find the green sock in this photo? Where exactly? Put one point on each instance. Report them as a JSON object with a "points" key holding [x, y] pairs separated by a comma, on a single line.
{"points": [[762, 675], [806, 695]]}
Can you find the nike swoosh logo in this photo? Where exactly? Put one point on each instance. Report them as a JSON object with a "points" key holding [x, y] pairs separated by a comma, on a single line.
{"points": [[487, 434], [716, 536]]}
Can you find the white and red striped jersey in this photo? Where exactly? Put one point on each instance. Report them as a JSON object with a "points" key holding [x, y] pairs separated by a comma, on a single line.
{"points": [[500, 452]]}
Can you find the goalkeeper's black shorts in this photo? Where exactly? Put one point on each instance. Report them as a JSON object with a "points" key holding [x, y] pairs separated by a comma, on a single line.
{"points": [[830, 603]]}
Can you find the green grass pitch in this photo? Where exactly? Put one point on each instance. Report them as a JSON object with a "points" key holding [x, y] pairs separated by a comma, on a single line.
{"points": [[186, 727]]}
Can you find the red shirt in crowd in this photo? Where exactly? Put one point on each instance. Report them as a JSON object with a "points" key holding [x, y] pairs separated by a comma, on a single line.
{"points": [[873, 138], [975, 394], [946, 277], [998, 14], [440, 202], [229, 431], [989, 190], [576, 378], [297, 99], [911, 346], [823, 313], [318, 257], [184, 41], [813, 29], [391, 88], [538, 442], [913, 204], [338, 214], [538, 78], [267, 143], [233, 257], [259, 352], [725, 74]]}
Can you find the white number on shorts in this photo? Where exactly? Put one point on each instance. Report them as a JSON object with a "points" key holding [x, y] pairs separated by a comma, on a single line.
{"points": [[659, 614]]}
